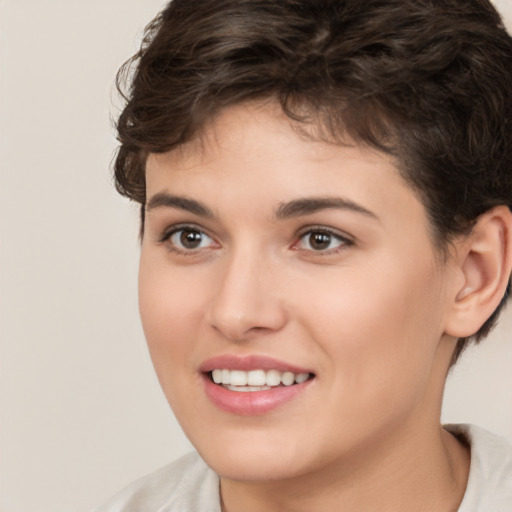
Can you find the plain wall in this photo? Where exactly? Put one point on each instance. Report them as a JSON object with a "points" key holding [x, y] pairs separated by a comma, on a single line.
{"points": [[81, 411]]}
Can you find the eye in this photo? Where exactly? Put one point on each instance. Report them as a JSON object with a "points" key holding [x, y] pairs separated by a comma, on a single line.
{"points": [[189, 238], [321, 240]]}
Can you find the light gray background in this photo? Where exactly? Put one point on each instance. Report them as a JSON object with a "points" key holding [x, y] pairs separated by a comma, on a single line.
{"points": [[81, 413]]}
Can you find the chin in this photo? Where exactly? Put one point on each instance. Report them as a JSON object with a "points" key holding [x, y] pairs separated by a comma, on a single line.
{"points": [[252, 457], [248, 468]]}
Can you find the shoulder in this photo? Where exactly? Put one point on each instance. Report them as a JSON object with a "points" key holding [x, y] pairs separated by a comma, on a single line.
{"points": [[490, 475], [186, 485]]}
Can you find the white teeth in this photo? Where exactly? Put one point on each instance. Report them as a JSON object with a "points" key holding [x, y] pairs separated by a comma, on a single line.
{"points": [[238, 378], [273, 377], [301, 377], [247, 388], [256, 380], [226, 376], [288, 378]]}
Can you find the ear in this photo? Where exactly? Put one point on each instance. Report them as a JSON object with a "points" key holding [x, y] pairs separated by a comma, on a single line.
{"points": [[484, 263]]}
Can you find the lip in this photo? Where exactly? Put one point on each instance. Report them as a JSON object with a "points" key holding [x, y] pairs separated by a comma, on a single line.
{"points": [[248, 363], [251, 403]]}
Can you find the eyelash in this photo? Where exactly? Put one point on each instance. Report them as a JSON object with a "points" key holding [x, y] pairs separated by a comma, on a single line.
{"points": [[311, 230], [344, 240], [169, 233]]}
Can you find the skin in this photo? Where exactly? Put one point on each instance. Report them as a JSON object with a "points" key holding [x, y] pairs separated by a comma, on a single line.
{"points": [[368, 315]]}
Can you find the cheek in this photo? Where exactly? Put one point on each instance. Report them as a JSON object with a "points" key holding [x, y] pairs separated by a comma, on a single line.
{"points": [[379, 326], [170, 309]]}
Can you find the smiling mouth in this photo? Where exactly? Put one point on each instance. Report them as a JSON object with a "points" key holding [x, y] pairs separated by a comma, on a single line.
{"points": [[256, 380]]}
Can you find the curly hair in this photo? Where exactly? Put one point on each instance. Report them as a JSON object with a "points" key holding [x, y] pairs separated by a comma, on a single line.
{"points": [[428, 81]]}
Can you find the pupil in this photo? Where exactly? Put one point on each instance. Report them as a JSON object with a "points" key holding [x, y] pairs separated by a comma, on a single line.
{"points": [[190, 239], [320, 240]]}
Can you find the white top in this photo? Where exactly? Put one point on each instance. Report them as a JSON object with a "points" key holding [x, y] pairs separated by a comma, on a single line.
{"points": [[189, 485], [489, 486]]}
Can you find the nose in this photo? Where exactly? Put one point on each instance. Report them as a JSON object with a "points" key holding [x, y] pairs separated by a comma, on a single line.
{"points": [[247, 302]]}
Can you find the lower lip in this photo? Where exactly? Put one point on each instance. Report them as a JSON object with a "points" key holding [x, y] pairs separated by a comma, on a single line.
{"points": [[252, 403]]}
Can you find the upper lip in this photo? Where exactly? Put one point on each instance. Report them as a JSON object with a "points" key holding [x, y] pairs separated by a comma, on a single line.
{"points": [[248, 363]]}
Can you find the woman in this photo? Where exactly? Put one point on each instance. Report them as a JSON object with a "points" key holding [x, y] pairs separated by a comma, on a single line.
{"points": [[325, 190]]}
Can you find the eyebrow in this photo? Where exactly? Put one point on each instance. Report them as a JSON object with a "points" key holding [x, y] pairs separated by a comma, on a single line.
{"points": [[295, 208], [309, 205], [163, 199]]}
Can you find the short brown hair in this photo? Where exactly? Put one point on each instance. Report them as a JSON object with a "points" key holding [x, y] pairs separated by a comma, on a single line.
{"points": [[428, 81]]}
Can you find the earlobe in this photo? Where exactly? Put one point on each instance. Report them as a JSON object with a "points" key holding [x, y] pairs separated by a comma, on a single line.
{"points": [[484, 260]]}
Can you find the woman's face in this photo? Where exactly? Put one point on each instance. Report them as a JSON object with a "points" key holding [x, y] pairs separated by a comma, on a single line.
{"points": [[270, 257]]}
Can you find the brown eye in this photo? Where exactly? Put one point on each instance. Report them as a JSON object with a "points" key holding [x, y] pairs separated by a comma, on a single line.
{"points": [[190, 239], [320, 240]]}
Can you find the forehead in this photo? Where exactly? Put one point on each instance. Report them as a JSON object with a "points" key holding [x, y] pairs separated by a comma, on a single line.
{"points": [[256, 144], [252, 135]]}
